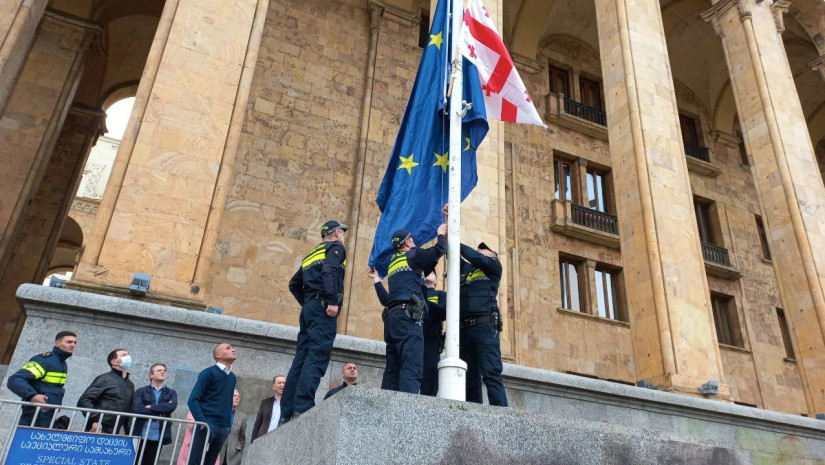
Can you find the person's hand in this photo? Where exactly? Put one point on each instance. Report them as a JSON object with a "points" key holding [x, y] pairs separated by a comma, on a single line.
{"points": [[148, 406], [445, 210], [442, 229], [96, 427], [203, 427], [373, 274], [39, 398], [332, 310]]}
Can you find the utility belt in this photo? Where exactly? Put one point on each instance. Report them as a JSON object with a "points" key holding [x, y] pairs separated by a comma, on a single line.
{"points": [[316, 296], [493, 317], [415, 309]]}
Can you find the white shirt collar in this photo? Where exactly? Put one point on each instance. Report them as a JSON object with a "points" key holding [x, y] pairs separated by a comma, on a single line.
{"points": [[224, 368]]}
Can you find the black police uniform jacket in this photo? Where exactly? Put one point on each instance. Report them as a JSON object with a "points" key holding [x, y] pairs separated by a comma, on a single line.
{"points": [[436, 313], [43, 374], [480, 278], [405, 277], [321, 274]]}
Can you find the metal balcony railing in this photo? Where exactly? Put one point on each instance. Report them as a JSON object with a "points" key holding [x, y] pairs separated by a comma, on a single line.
{"points": [[592, 114], [715, 254], [595, 219], [697, 151]]}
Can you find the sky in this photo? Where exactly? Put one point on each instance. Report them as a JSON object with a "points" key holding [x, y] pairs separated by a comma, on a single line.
{"points": [[117, 116]]}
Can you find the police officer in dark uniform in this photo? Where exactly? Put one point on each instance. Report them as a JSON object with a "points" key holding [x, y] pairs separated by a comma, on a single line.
{"points": [[41, 380], [407, 306], [480, 323], [318, 286], [433, 336]]}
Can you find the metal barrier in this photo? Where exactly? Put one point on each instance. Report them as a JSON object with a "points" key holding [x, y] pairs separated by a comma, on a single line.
{"points": [[80, 424]]}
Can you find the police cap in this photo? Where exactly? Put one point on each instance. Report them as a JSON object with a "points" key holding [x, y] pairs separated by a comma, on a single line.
{"points": [[331, 226], [483, 246], [399, 237]]}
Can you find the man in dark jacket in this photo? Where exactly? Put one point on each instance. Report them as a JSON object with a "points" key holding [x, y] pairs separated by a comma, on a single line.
{"points": [[110, 391], [41, 380], [480, 324], [406, 308], [157, 400], [349, 375], [318, 286]]}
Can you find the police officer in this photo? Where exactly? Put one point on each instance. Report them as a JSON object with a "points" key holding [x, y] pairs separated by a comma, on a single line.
{"points": [[407, 306], [41, 380], [480, 323], [433, 337], [318, 286]]}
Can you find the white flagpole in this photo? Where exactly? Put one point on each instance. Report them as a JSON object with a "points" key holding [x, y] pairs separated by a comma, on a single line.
{"points": [[452, 370]]}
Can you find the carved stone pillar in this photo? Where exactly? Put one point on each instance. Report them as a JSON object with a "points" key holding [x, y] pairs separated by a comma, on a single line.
{"points": [[786, 175], [41, 224], [674, 341]]}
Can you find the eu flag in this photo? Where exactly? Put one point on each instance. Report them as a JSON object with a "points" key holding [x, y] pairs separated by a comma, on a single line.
{"points": [[415, 184]]}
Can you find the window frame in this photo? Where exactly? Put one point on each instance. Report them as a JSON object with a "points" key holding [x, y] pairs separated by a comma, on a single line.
{"points": [[613, 289], [690, 129], [591, 93], [724, 312], [568, 183], [785, 332], [763, 237], [557, 72], [565, 292], [607, 199]]}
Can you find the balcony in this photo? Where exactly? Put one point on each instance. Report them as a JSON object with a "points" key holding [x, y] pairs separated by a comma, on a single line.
{"points": [[717, 262], [699, 160], [577, 116], [586, 112], [594, 219], [584, 223]]}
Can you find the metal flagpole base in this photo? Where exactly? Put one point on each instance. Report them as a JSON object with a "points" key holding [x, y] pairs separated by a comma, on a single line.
{"points": [[452, 379]]}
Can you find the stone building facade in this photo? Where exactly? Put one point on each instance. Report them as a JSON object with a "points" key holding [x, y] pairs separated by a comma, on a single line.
{"points": [[667, 227]]}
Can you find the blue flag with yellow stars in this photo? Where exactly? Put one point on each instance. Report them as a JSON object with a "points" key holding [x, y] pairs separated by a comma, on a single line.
{"points": [[415, 184]]}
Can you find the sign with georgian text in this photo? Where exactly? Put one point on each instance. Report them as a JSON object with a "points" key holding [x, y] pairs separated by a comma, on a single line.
{"points": [[37, 446]]}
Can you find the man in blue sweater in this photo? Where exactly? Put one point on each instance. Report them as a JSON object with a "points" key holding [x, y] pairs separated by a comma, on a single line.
{"points": [[211, 403]]}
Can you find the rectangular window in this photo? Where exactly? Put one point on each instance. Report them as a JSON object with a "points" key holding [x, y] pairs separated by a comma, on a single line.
{"points": [[724, 317], [591, 93], [597, 192], [559, 83], [763, 237], [743, 151], [702, 211], [607, 302], [569, 273], [562, 177], [786, 333], [689, 132]]}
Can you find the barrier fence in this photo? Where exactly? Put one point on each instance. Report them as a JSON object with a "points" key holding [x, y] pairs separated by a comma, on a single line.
{"points": [[60, 432]]}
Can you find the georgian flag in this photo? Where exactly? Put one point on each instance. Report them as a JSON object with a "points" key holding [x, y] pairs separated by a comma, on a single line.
{"points": [[505, 95]]}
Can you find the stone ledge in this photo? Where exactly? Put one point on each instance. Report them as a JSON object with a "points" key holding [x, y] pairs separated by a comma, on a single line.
{"points": [[530, 388], [379, 427]]}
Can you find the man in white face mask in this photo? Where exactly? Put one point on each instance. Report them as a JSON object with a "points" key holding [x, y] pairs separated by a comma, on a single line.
{"points": [[110, 391]]}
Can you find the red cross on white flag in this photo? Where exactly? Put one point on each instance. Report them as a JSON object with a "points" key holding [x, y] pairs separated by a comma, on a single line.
{"points": [[505, 95]]}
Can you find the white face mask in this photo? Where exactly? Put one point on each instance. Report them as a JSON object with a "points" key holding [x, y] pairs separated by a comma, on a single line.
{"points": [[126, 361]]}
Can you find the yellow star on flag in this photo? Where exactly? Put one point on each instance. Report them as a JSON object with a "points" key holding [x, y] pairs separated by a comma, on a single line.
{"points": [[408, 164], [437, 39], [442, 160], [467, 139]]}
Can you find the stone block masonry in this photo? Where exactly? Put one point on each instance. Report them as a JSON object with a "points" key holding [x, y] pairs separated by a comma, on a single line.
{"points": [[555, 418]]}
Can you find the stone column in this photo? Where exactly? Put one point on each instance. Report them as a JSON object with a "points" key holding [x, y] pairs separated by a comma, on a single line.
{"points": [[18, 23], [30, 125], [40, 226], [162, 207], [674, 341], [785, 172]]}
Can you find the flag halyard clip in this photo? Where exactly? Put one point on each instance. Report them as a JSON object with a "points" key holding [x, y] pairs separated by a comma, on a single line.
{"points": [[465, 106]]}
